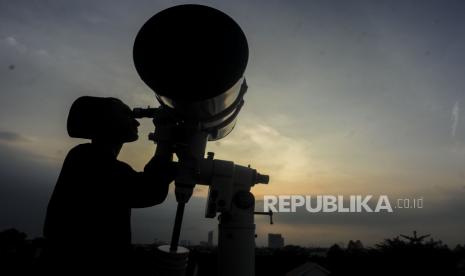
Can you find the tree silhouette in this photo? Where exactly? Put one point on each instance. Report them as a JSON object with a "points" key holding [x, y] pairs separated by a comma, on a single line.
{"points": [[415, 239]]}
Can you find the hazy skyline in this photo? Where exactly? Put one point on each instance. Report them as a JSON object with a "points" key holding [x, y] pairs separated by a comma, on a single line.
{"points": [[353, 97]]}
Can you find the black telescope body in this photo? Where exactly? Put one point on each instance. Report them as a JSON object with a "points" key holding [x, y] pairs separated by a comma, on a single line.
{"points": [[194, 57]]}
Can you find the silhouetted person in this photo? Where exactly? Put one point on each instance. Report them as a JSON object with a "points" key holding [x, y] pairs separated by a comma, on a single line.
{"points": [[88, 216]]}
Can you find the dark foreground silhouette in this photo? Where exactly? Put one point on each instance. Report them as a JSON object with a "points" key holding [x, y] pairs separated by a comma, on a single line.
{"points": [[87, 225], [394, 256]]}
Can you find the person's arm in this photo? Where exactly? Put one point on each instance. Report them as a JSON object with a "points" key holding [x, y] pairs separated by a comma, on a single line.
{"points": [[160, 171], [150, 187]]}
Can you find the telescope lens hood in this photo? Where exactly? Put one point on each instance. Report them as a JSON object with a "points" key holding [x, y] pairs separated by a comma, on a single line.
{"points": [[189, 53]]}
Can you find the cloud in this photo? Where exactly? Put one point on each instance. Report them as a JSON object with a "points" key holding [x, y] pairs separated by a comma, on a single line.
{"points": [[13, 42], [22, 48], [8, 136], [288, 160], [455, 118]]}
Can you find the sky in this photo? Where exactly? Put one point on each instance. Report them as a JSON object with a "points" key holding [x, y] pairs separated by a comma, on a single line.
{"points": [[345, 98]]}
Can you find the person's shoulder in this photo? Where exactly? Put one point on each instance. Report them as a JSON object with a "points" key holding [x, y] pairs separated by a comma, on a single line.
{"points": [[81, 149], [82, 152]]}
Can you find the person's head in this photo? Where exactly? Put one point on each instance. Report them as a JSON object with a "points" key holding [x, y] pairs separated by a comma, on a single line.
{"points": [[102, 119]]}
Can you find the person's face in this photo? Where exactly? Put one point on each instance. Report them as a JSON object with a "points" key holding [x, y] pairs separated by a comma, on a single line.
{"points": [[123, 124]]}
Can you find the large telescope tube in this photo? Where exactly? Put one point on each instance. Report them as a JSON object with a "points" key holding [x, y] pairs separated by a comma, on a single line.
{"points": [[193, 57]]}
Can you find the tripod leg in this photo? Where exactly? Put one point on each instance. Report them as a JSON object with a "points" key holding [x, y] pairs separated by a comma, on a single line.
{"points": [[177, 227]]}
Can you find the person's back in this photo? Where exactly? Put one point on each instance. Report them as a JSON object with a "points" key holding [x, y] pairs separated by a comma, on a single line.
{"points": [[88, 204]]}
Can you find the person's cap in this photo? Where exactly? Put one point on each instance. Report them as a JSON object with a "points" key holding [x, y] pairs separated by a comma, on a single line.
{"points": [[88, 116]]}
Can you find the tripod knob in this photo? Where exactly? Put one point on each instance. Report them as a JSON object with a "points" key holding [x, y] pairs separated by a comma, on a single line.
{"points": [[269, 213]]}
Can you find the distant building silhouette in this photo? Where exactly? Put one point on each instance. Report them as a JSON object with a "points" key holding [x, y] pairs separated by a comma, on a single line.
{"points": [[210, 238], [275, 240], [185, 243], [204, 243]]}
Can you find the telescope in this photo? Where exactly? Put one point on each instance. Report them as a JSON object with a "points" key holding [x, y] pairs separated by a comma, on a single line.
{"points": [[194, 58]]}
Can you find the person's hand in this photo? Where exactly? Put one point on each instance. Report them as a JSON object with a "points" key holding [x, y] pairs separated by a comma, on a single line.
{"points": [[165, 132]]}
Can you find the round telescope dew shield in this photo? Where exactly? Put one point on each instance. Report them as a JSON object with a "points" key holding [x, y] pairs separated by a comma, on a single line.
{"points": [[193, 57]]}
